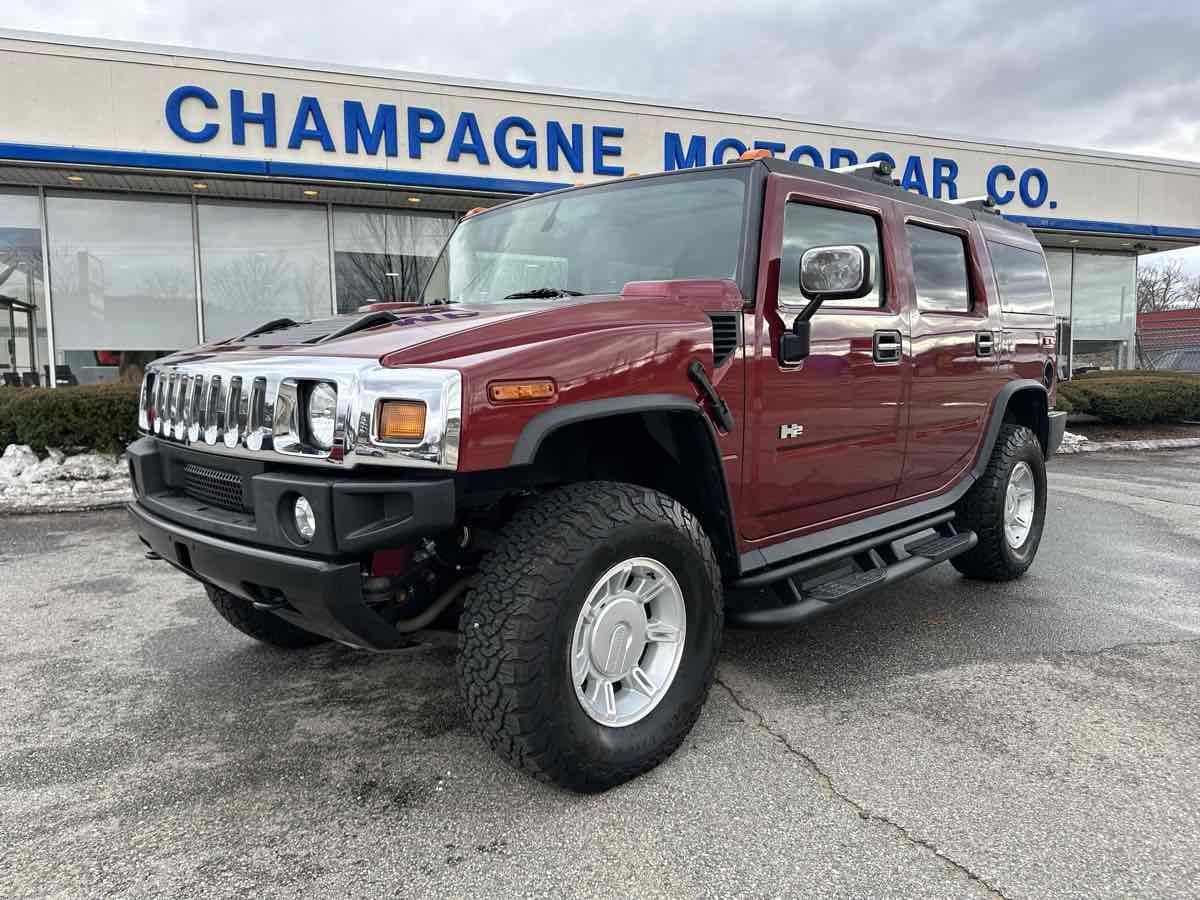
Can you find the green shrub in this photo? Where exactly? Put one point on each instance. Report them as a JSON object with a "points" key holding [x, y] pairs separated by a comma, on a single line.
{"points": [[100, 417], [1133, 398]]}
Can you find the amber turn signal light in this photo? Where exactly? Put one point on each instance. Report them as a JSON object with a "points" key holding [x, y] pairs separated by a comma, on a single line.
{"points": [[401, 420], [514, 391]]}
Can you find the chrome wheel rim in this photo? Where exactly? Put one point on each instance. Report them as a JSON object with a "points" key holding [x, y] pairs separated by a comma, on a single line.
{"points": [[1019, 502], [628, 641]]}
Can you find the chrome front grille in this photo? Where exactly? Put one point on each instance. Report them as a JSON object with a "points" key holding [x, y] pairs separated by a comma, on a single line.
{"points": [[256, 407], [214, 486]]}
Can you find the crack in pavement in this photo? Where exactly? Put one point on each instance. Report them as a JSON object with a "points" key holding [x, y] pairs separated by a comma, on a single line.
{"points": [[860, 810]]}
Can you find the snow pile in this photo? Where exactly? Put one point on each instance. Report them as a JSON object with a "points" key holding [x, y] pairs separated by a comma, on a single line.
{"points": [[1071, 442], [60, 482]]}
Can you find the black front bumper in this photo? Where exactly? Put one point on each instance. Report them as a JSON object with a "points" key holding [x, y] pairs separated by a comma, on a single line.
{"points": [[254, 554]]}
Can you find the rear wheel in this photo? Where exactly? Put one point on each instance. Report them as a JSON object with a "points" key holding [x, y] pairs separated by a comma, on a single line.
{"points": [[258, 623], [1006, 508], [590, 640]]}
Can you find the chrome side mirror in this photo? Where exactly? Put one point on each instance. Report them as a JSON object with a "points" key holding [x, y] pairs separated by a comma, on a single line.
{"points": [[838, 272]]}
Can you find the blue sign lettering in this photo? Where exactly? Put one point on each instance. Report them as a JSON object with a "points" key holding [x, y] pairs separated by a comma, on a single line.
{"points": [[556, 142], [468, 127], [518, 142], [354, 121], [527, 149], [239, 118], [175, 113], [674, 156], [310, 108]]}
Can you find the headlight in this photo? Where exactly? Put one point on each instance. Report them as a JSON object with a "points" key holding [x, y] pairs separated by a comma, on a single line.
{"points": [[322, 414]]}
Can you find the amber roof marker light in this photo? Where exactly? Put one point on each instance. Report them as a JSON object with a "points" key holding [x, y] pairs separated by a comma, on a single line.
{"points": [[522, 391]]}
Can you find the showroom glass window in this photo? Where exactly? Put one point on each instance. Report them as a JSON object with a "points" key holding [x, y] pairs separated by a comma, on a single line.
{"points": [[939, 261], [123, 282], [385, 256], [806, 225], [260, 262], [1104, 308], [21, 287]]}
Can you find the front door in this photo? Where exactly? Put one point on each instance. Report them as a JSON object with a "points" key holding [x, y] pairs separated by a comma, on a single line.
{"points": [[826, 436]]}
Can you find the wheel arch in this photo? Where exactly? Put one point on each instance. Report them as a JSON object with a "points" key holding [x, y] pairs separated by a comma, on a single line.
{"points": [[667, 444], [1025, 402]]}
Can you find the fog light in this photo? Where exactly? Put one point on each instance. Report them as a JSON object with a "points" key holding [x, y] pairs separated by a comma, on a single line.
{"points": [[306, 519]]}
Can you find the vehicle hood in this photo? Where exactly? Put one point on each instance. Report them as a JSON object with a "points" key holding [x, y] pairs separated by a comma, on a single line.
{"points": [[424, 335]]}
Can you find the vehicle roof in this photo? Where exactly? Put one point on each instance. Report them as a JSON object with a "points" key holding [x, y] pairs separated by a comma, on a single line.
{"points": [[886, 187], [866, 182]]}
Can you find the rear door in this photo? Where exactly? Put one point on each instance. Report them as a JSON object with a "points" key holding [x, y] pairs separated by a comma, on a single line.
{"points": [[825, 437], [954, 347]]}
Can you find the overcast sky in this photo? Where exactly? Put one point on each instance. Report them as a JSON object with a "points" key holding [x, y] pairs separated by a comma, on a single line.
{"points": [[1114, 75]]}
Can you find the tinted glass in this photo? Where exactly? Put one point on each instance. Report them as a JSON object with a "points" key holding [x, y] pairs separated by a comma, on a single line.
{"points": [[383, 256], [123, 282], [939, 269], [806, 226], [595, 241], [1022, 278], [260, 263]]}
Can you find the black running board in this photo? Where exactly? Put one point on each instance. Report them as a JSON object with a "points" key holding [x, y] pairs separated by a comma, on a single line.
{"points": [[876, 561]]}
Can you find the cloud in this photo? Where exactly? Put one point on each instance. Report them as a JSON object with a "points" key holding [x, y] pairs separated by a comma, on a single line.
{"points": [[1117, 75]]}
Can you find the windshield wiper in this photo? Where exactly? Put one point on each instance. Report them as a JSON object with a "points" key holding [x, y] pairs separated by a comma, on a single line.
{"points": [[438, 301], [543, 292]]}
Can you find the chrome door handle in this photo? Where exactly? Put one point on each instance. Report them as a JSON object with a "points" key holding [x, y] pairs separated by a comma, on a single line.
{"points": [[886, 346], [985, 343]]}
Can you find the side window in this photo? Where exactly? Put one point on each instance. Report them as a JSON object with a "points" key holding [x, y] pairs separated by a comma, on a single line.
{"points": [[939, 269], [806, 225], [1022, 279]]}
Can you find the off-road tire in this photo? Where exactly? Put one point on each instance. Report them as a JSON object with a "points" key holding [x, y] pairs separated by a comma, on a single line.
{"points": [[982, 510], [260, 624], [518, 620]]}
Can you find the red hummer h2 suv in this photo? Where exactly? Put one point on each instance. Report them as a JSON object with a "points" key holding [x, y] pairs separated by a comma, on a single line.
{"points": [[619, 416]]}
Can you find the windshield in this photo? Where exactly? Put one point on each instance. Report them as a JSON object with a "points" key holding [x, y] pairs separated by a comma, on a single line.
{"points": [[595, 241]]}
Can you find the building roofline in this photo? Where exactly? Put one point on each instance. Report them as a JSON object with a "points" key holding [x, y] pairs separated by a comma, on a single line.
{"points": [[463, 82]]}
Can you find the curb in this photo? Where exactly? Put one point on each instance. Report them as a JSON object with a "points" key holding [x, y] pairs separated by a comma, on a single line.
{"points": [[35, 506], [1126, 446]]}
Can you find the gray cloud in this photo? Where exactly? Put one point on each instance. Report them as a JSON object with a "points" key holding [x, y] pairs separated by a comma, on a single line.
{"points": [[1114, 75]]}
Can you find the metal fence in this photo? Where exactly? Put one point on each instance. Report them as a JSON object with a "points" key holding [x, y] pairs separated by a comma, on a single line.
{"points": [[1174, 349]]}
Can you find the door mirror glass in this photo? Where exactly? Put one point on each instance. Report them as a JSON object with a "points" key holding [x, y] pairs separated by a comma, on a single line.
{"points": [[837, 272]]}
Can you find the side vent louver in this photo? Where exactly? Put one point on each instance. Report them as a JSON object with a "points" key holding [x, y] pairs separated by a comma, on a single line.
{"points": [[725, 336]]}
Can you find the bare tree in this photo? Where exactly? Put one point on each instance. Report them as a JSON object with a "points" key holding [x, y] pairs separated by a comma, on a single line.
{"points": [[1161, 287]]}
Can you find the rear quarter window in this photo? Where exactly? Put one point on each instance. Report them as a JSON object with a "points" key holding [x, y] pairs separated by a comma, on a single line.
{"points": [[1022, 279]]}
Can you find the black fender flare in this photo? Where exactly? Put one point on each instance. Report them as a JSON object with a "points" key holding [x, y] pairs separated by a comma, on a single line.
{"points": [[541, 426], [1000, 408]]}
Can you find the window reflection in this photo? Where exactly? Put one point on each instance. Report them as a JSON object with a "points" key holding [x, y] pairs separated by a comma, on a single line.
{"points": [[1022, 279], [262, 262], [122, 280], [385, 256], [806, 226], [21, 289], [939, 269]]}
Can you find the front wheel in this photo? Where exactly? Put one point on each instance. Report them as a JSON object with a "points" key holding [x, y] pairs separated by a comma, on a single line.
{"points": [[590, 640], [1006, 508]]}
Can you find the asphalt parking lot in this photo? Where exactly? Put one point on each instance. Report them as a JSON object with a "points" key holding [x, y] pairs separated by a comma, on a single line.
{"points": [[946, 739]]}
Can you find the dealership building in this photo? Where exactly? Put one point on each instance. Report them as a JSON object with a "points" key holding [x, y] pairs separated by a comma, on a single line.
{"points": [[154, 197]]}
